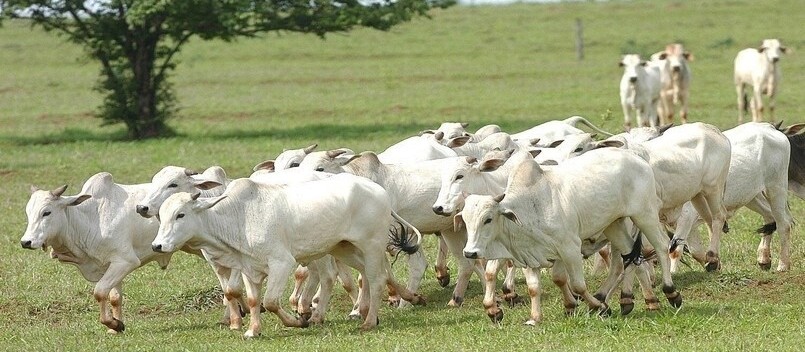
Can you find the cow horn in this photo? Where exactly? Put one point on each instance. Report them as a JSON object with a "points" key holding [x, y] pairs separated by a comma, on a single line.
{"points": [[189, 172], [778, 125], [310, 148], [439, 135], [34, 189], [465, 124], [195, 196], [332, 154], [665, 128], [58, 191], [471, 159], [499, 197]]}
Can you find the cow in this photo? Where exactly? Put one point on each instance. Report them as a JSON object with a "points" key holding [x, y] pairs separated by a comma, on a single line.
{"points": [[691, 163], [98, 231], [549, 217], [759, 68], [413, 187], [212, 182], [675, 81], [552, 131], [639, 91], [757, 179], [287, 159], [264, 230]]}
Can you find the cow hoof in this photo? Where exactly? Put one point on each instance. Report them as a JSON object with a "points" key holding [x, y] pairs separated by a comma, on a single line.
{"points": [[419, 300], [118, 325], [444, 281], [250, 334], [394, 302], [456, 301], [676, 301], [303, 323], [530, 322], [627, 308], [764, 266], [604, 311], [305, 316], [496, 316], [262, 309], [512, 299]]}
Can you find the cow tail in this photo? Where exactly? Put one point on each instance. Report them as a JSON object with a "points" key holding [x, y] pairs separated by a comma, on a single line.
{"points": [[398, 237], [573, 120]]}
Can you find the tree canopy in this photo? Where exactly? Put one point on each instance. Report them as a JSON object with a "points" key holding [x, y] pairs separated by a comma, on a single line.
{"points": [[135, 41]]}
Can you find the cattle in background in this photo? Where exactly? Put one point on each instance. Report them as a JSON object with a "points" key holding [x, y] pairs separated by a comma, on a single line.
{"points": [[99, 232], [675, 81], [515, 227], [345, 216], [757, 179], [759, 68], [287, 159], [639, 91]]}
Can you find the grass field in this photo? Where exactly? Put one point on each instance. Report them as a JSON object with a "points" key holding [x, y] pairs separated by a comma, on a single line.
{"points": [[243, 102]]}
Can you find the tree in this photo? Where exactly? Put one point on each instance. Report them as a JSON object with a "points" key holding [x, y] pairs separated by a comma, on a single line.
{"points": [[135, 41]]}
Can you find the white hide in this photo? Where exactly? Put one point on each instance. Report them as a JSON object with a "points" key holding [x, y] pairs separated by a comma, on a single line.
{"points": [[760, 69], [639, 91]]}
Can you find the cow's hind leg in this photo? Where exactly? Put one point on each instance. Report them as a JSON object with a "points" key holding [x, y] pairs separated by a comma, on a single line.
{"points": [[649, 224], [760, 205], [559, 278]]}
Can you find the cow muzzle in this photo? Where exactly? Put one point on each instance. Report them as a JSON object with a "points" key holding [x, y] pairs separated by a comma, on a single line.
{"points": [[27, 244], [471, 255], [632, 79], [440, 210], [158, 248], [143, 211]]}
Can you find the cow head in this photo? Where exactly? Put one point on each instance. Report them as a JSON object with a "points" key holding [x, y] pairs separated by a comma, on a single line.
{"points": [[772, 49], [677, 56], [331, 161], [173, 179], [46, 215], [459, 177], [292, 158], [631, 64], [486, 220], [180, 221]]}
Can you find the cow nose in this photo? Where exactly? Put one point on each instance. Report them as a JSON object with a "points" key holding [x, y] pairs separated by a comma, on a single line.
{"points": [[676, 68], [25, 244], [632, 79], [775, 59], [142, 209], [471, 255], [156, 248], [438, 209]]}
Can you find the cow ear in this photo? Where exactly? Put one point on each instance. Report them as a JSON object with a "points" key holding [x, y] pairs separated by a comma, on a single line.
{"points": [[620, 64], [608, 144], [458, 222], [549, 163], [785, 50], [206, 184], [427, 132], [206, 203], [554, 144], [75, 200], [490, 165], [794, 129], [458, 141], [265, 165], [761, 49], [534, 152], [344, 161], [509, 214], [688, 56], [663, 56]]}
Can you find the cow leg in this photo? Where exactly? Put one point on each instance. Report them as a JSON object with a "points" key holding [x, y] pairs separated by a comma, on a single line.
{"points": [[455, 243], [375, 270], [417, 265], [574, 265], [278, 272], [649, 224], [347, 280], [253, 302], [442, 271], [687, 234], [601, 260], [646, 283], [112, 278], [508, 286], [232, 282], [493, 310], [683, 102], [327, 277], [559, 278], [778, 198], [300, 275], [757, 105], [761, 206], [716, 226], [532, 280], [627, 120], [404, 293], [116, 301], [739, 88], [316, 271]]}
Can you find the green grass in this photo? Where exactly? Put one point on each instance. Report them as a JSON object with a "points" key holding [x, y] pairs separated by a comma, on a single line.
{"points": [[243, 102]]}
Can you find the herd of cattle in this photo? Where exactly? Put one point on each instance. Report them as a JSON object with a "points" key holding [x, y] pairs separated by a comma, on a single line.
{"points": [[650, 90], [544, 198]]}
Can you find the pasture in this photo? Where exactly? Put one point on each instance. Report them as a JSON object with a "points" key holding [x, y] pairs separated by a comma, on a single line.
{"points": [[243, 102]]}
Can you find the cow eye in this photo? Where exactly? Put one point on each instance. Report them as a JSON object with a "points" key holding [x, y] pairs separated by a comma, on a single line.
{"points": [[458, 177], [320, 169], [578, 150], [46, 213], [487, 221], [173, 185], [180, 215], [294, 164]]}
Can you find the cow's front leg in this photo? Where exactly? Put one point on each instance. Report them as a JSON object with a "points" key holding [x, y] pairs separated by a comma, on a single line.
{"points": [[111, 279], [491, 306], [532, 280], [442, 271]]}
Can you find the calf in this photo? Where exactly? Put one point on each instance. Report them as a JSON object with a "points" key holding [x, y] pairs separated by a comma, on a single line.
{"points": [[760, 69], [675, 81], [639, 91], [264, 230]]}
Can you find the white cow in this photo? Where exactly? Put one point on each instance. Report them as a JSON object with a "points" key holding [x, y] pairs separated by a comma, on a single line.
{"points": [[419, 148], [691, 163], [412, 187], [760, 69], [287, 159], [173, 179], [639, 91], [549, 216], [554, 130], [757, 179], [99, 232], [675, 81], [264, 230]]}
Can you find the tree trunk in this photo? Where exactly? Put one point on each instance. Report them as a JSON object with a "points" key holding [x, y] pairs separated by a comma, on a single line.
{"points": [[149, 123]]}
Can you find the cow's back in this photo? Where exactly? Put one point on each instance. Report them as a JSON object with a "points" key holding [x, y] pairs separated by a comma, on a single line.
{"points": [[757, 149]]}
